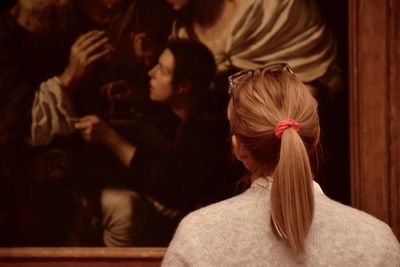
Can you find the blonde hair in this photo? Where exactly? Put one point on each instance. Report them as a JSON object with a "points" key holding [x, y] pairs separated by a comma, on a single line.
{"points": [[256, 107]]}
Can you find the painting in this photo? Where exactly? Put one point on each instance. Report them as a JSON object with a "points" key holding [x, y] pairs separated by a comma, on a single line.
{"points": [[62, 62]]}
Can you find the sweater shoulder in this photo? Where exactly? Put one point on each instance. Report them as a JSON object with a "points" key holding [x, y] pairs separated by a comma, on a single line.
{"points": [[338, 212], [229, 208], [336, 221], [207, 214], [227, 218]]}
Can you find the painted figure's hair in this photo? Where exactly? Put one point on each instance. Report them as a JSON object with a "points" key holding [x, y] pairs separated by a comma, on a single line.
{"points": [[194, 62]]}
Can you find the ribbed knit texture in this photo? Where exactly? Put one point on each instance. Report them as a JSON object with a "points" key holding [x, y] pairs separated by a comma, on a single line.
{"points": [[237, 232]]}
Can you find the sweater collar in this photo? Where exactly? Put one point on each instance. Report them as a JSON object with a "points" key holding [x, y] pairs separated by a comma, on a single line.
{"points": [[266, 182]]}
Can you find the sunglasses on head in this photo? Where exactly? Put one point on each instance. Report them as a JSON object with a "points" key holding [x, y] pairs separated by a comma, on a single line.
{"points": [[244, 75]]}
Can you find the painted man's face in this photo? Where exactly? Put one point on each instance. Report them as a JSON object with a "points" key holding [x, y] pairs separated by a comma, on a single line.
{"points": [[161, 87]]}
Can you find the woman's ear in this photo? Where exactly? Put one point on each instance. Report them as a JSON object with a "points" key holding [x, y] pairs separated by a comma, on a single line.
{"points": [[236, 148], [242, 154]]}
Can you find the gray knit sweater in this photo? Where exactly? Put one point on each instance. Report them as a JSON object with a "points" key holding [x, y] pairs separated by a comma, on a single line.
{"points": [[237, 232]]}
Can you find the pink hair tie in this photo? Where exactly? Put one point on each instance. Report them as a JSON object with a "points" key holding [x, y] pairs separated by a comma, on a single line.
{"points": [[283, 125]]}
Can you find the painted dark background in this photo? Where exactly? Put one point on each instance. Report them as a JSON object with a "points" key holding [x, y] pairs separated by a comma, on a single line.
{"points": [[334, 179]]}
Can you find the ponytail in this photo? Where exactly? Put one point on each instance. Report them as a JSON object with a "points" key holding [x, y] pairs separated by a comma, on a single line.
{"points": [[292, 199]]}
